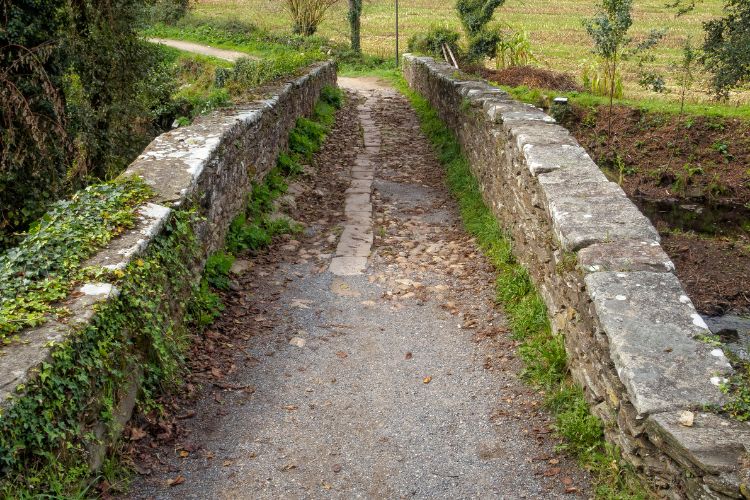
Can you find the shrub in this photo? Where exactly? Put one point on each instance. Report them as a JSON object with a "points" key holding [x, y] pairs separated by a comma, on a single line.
{"points": [[475, 16], [307, 14], [726, 47], [431, 43], [169, 11]]}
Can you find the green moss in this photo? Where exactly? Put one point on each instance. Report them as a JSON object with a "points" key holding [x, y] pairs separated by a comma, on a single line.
{"points": [[542, 351]]}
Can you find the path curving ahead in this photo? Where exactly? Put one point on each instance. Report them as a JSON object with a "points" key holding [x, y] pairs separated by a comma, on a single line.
{"points": [[227, 55], [365, 358]]}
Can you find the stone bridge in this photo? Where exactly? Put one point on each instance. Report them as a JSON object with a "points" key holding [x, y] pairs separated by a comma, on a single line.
{"points": [[365, 356]]}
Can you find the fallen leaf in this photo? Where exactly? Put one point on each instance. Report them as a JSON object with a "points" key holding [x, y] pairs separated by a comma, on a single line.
{"points": [[427, 380], [216, 373], [571, 489], [408, 356], [137, 434], [291, 407], [342, 354], [178, 480], [567, 481], [554, 461], [553, 471], [227, 463], [184, 453], [288, 467]]}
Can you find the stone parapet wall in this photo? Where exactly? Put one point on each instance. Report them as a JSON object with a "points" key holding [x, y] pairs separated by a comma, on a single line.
{"points": [[206, 168], [631, 332]]}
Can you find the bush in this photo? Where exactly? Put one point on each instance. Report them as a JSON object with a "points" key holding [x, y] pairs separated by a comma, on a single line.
{"points": [[169, 11], [484, 44], [431, 43], [307, 14]]}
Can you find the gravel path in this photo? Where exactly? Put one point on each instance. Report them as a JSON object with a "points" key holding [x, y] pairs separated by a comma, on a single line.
{"points": [[227, 55], [397, 382]]}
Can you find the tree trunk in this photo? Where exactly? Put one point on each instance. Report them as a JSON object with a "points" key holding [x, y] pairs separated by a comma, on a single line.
{"points": [[355, 11]]}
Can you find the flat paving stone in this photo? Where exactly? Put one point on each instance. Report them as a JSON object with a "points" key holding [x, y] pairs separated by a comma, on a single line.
{"points": [[348, 266]]}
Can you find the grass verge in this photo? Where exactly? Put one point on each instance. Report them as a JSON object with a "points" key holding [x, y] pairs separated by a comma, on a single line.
{"points": [[542, 351]]}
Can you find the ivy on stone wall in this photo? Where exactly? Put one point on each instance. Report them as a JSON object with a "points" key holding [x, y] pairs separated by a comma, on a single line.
{"points": [[47, 264]]}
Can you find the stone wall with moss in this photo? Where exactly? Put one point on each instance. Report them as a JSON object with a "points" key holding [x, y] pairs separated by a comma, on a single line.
{"points": [[70, 380], [634, 340]]}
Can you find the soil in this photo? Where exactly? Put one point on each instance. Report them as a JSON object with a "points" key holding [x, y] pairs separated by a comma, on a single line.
{"points": [[402, 381], [696, 170], [529, 76]]}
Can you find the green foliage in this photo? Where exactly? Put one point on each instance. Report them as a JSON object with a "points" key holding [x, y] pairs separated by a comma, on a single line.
{"points": [[609, 31], [738, 389], [44, 435], [47, 264], [139, 337], [514, 49], [168, 11], [476, 14], [217, 269], [725, 48], [254, 229], [249, 74], [431, 43], [686, 71], [542, 350], [484, 44], [83, 95]]}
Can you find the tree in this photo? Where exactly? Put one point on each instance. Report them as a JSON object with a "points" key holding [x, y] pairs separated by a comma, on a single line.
{"points": [[609, 31], [33, 138], [726, 49], [355, 13], [308, 14], [475, 16]]}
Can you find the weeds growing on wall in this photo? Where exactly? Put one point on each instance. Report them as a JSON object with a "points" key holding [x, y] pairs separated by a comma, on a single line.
{"points": [[542, 350]]}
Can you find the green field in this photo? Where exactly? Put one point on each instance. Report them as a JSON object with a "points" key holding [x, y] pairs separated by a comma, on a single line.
{"points": [[559, 40]]}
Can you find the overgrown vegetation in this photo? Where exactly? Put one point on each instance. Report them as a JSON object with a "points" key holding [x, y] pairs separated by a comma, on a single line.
{"points": [[45, 267], [542, 350], [81, 95], [49, 434]]}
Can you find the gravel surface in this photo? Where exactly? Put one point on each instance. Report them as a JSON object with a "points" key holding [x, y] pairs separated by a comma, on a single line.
{"points": [[227, 55], [400, 382]]}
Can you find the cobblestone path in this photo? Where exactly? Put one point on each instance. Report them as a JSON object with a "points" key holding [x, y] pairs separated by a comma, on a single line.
{"points": [[365, 357]]}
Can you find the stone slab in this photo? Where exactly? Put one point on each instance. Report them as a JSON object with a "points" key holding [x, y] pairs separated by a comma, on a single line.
{"points": [[594, 212], [355, 241], [652, 327], [714, 444], [362, 175], [539, 133], [348, 266], [119, 252], [561, 164], [623, 256]]}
